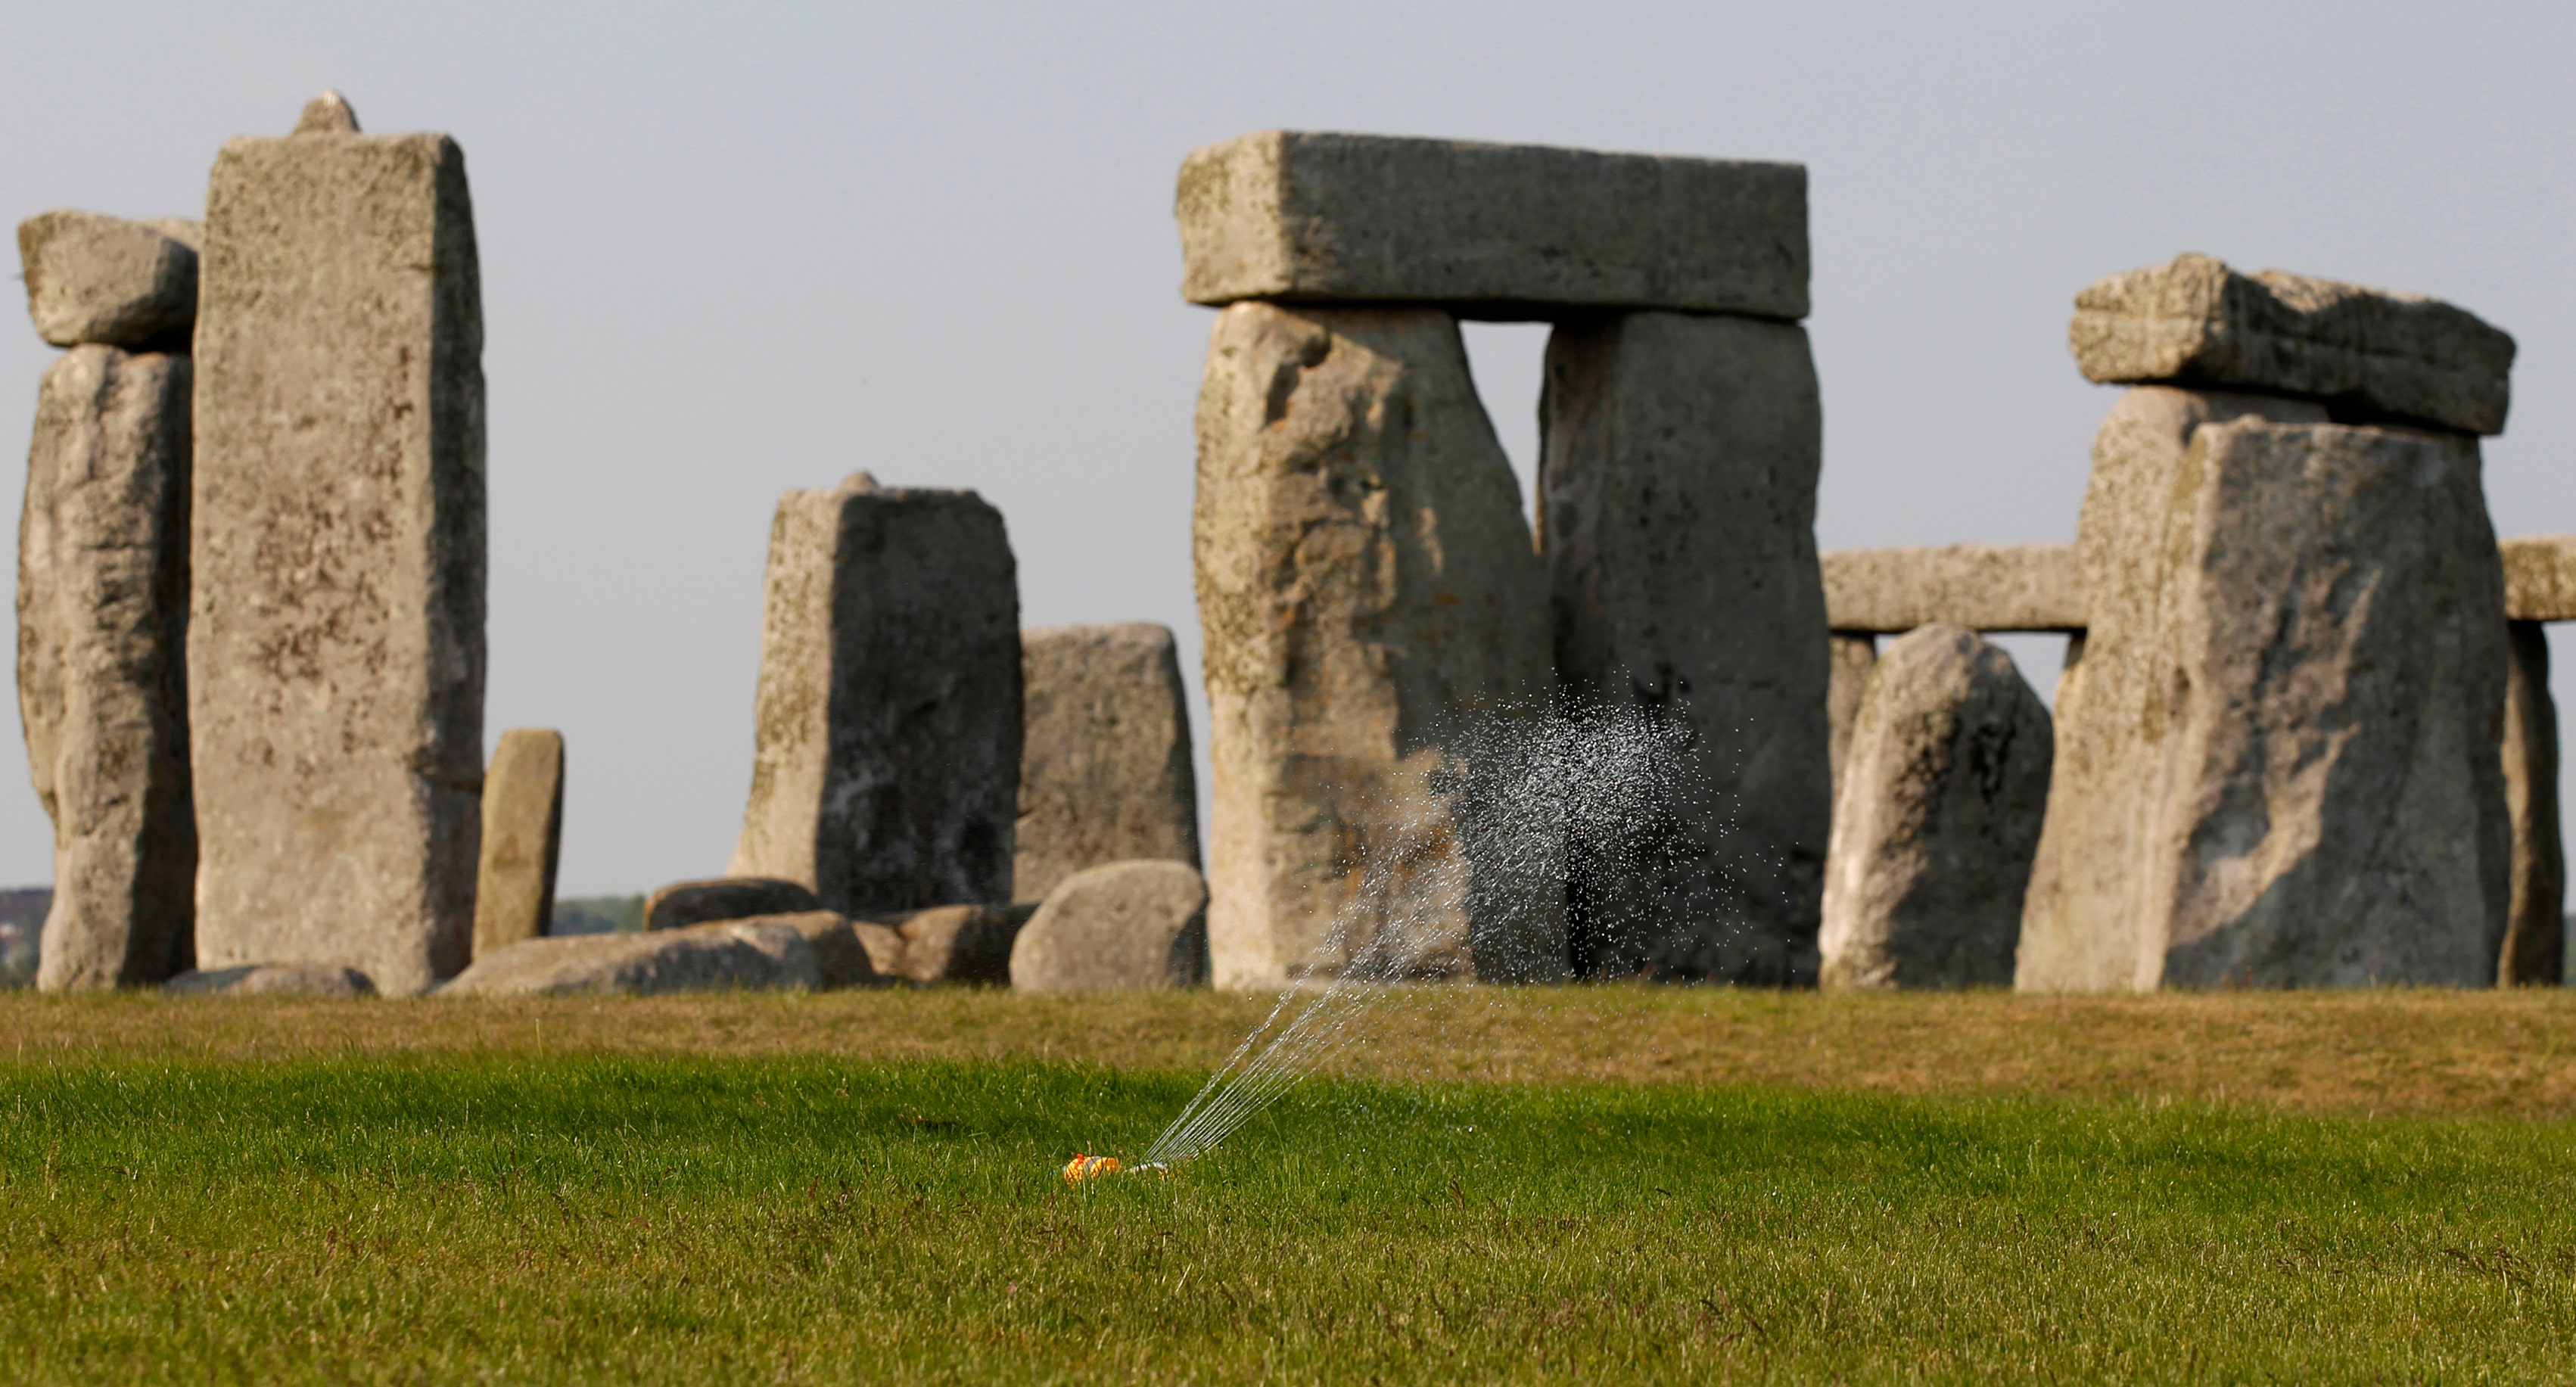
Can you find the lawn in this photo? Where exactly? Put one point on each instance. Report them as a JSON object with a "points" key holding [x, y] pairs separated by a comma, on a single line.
{"points": [[1672, 1185]]}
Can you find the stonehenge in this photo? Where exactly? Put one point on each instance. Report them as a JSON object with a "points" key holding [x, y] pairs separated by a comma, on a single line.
{"points": [[335, 630], [2303, 735], [886, 762]]}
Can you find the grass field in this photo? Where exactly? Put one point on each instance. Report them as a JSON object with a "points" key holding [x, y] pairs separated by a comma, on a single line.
{"points": [[1580, 1185]]}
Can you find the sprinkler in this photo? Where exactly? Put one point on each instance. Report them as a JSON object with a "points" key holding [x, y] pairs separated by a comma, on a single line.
{"points": [[1082, 1168]]}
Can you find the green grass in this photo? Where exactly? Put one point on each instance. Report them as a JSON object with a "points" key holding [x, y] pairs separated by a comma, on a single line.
{"points": [[803, 1219]]}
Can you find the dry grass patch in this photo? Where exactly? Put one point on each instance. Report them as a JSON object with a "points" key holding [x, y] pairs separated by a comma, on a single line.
{"points": [[2387, 1051]]}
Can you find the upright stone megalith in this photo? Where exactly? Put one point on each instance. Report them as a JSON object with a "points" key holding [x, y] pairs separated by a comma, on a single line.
{"points": [[1105, 772], [1677, 485], [102, 664], [1371, 605], [1936, 819], [514, 893], [887, 738], [2535, 939], [335, 644], [2281, 763]]}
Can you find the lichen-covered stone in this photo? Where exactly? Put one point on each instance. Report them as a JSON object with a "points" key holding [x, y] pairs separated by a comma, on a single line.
{"points": [[514, 892], [1983, 587], [1370, 601], [1123, 927], [105, 280], [886, 765], [102, 665], [2279, 759], [1105, 772], [2540, 578], [728, 956], [2368, 353], [1936, 819], [1489, 230], [1678, 485], [335, 642], [1855, 656], [685, 903], [2535, 935]]}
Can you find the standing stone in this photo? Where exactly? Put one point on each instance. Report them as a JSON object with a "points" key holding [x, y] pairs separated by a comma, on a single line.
{"points": [[1855, 656], [514, 893], [106, 280], [335, 646], [102, 665], [2535, 925], [1105, 773], [1371, 604], [1123, 927], [1936, 819], [887, 763], [2282, 758], [2368, 353], [1678, 479]]}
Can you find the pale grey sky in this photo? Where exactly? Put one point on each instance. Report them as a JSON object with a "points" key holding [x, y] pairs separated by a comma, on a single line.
{"points": [[729, 250]]}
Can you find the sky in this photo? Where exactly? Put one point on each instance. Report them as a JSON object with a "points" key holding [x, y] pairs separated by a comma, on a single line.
{"points": [[732, 250]]}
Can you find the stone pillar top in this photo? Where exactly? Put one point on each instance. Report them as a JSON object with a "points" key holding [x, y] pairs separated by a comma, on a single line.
{"points": [[327, 114]]}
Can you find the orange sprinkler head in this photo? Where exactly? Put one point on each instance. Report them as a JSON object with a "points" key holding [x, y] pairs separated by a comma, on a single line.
{"points": [[1082, 1168]]}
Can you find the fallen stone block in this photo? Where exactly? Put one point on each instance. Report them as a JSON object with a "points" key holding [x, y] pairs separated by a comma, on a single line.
{"points": [[685, 903], [1370, 603], [883, 945], [1983, 587], [734, 955], [840, 956], [102, 665], [335, 642], [1125, 927], [2280, 764], [886, 767], [1105, 771], [2535, 933], [2369, 354], [105, 280], [514, 892], [1489, 230], [1677, 484], [272, 980], [952, 944], [1937, 819]]}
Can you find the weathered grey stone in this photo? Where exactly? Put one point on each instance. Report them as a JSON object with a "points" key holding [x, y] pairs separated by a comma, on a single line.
{"points": [[273, 980], [951, 944], [1125, 927], [2540, 578], [335, 643], [2368, 353], [685, 903], [730, 955], [2535, 933], [1983, 587], [102, 664], [2279, 758], [840, 958], [1105, 773], [514, 892], [1489, 230], [883, 945], [887, 766], [1678, 483], [1370, 602], [327, 114], [105, 280], [1936, 819], [1855, 656]]}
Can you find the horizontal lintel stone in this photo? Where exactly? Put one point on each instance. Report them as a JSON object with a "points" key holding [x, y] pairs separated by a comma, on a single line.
{"points": [[2540, 578], [2368, 354], [1983, 587], [1489, 230]]}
